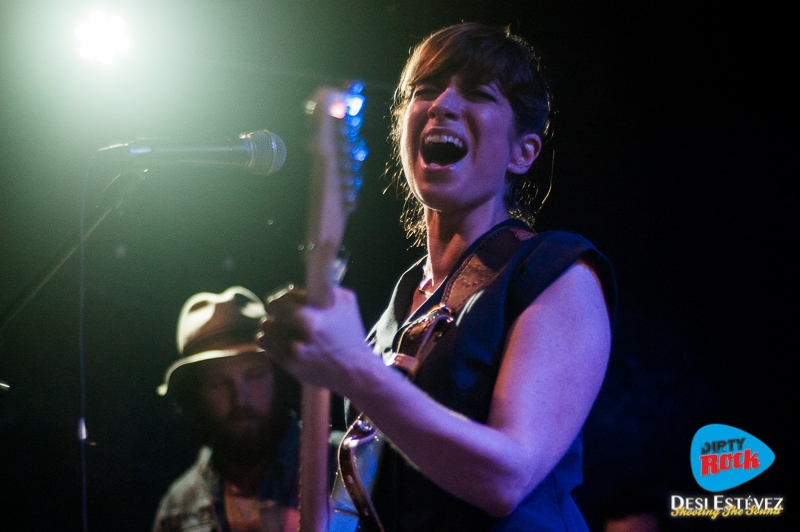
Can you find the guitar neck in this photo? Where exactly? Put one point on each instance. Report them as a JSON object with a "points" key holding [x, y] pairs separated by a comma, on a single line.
{"points": [[313, 488], [321, 277], [338, 154]]}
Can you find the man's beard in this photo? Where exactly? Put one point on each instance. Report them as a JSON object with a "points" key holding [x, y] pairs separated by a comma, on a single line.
{"points": [[246, 443]]}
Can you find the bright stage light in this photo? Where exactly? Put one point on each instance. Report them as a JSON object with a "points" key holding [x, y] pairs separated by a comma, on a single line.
{"points": [[102, 38]]}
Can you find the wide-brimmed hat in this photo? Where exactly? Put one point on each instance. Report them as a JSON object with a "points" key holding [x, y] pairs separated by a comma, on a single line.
{"points": [[215, 326]]}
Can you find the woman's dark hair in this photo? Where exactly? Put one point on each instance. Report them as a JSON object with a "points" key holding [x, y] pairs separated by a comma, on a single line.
{"points": [[479, 54]]}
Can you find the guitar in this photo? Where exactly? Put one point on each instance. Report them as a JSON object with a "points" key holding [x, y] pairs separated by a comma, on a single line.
{"points": [[338, 155]]}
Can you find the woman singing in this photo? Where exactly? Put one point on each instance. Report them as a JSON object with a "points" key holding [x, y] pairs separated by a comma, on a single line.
{"points": [[487, 434]]}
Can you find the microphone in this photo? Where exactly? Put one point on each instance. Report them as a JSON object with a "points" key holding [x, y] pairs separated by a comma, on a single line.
{"points": [[260, 152]]}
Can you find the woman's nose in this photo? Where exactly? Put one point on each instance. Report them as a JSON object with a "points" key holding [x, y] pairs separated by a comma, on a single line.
{"points": [[447, 105]]}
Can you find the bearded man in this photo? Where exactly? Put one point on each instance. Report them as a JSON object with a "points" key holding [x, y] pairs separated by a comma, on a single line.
{"points": [[244, 479]]}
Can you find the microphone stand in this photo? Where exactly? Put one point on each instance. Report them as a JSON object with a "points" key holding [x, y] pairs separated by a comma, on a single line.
{"points": [[109, 200]]}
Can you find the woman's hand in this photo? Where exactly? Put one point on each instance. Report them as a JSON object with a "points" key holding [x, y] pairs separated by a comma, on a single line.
{"points": [[320, 346]]}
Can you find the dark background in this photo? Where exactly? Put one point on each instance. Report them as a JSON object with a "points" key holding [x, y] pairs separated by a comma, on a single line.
{"points": [[675, 138]]}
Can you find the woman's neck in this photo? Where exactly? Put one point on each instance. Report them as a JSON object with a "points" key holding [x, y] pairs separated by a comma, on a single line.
{"points": [[449, 237]]}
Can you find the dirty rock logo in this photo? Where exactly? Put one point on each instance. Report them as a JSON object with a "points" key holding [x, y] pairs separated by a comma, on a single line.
{"points": [[724, 457]]}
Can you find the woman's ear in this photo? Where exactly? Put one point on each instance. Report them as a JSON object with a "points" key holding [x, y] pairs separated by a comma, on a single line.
{"points": [[524, 151]]}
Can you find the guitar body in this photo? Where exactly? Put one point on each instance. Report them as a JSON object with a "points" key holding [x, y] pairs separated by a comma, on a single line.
{"points": [[359, 457]]}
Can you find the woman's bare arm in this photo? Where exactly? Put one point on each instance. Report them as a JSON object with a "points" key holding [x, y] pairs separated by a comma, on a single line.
{"points": [[554, 362]]}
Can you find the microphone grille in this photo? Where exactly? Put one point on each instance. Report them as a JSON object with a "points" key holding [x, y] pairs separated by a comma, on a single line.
{"points": [[267, 152]]}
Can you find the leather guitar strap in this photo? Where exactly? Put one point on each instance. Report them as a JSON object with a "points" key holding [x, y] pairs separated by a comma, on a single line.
{"points": [[476, 272], [483, 266]]}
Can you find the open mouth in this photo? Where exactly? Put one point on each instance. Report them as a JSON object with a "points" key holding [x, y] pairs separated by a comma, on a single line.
{"points": [[442, 150]]}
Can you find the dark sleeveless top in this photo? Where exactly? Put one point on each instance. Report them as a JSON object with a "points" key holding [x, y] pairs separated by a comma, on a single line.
{"points": [[460, 374]]}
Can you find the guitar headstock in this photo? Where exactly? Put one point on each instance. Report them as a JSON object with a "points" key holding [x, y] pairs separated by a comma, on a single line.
{"points": [[339, 154], [340, 116]]}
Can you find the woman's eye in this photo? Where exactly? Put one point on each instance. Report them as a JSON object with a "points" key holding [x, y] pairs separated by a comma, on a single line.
{"points": [[425, 92], [483, 95]]}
